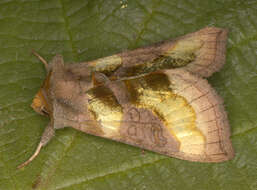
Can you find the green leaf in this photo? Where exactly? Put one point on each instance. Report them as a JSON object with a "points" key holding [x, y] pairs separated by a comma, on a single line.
{"points": [[83, 30]]}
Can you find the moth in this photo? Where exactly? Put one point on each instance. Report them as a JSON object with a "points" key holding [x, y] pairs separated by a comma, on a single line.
{"points": [[154, 97]]}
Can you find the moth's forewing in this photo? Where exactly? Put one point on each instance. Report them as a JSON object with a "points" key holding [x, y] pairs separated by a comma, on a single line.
{"points": [[170, 112], [201, 52]]}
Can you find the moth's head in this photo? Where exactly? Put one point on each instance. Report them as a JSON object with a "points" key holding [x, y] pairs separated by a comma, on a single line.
{"points": [[41, 102]]}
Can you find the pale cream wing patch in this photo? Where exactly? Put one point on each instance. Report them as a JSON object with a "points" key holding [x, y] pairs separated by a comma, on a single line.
{"points": [[211, 119]]}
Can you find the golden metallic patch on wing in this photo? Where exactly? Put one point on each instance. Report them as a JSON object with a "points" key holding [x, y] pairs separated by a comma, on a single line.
{"points": [[153, 92], [170, 60], [106, 109], [106, 65], [184, 51]]}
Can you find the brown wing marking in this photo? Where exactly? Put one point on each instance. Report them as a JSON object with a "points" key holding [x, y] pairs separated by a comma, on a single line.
{"points": [[142, 128]]}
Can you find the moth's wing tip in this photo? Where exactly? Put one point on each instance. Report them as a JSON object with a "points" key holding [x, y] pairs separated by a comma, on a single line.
{"points": [[212, 55], [220, 54], [227, 156], [230, 153]]}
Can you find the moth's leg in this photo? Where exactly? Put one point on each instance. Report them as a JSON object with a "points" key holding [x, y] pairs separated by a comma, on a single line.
{"points": [[41, 59], [46, 137]]}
